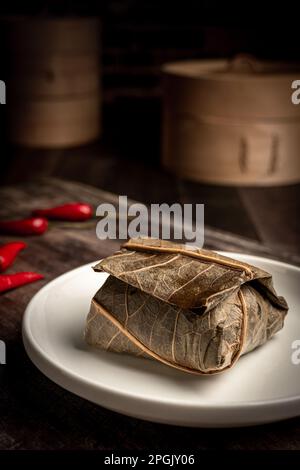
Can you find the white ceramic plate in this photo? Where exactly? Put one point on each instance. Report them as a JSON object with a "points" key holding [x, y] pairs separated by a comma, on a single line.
{"points": [[263, 386]]}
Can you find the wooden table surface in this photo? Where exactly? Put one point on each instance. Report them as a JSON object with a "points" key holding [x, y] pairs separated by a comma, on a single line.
{"points": [[37, 414]]}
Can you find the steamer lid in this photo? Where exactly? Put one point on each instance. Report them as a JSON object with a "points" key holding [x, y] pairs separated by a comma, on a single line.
{"points": [[243, 88]]}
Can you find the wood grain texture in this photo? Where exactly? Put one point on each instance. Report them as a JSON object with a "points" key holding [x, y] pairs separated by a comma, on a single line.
{"points": [[37, 414]]}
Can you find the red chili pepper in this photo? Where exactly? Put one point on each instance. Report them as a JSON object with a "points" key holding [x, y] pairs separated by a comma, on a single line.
{"points": [[76, 211], [10, 281], [8, 253], [32, 226]]}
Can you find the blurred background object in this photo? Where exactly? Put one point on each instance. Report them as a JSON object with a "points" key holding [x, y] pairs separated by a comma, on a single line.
{"points": [[137, 38], [52, 80], [231, 121]]}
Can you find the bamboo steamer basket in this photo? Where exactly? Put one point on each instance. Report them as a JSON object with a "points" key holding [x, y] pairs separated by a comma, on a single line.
{"points": [[53, 83], [231, 122]]}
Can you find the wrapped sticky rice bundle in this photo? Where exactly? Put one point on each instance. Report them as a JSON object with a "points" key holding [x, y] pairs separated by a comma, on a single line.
{"points": [[189, 308]]}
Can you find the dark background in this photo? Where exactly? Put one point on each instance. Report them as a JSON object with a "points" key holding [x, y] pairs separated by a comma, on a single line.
{"points": [[137, 37]]}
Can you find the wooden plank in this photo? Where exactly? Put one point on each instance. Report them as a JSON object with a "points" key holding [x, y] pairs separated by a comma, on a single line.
{"points": [[37, 414]]}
